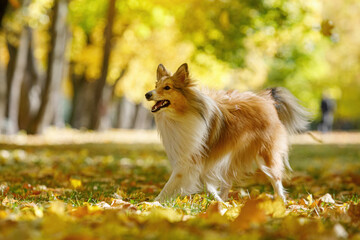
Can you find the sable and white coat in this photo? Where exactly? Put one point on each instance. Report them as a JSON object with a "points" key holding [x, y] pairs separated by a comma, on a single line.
{"points": [[214, 138]]}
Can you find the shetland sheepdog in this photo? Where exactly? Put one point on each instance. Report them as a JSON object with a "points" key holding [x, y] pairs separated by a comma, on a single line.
{"points": [[218, 138]]}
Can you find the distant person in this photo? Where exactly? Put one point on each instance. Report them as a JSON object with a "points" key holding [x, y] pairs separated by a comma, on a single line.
{"points": [[327, 113]]}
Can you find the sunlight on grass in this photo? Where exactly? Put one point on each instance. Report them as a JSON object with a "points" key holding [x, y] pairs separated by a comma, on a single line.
{"points": [[81, 188]]}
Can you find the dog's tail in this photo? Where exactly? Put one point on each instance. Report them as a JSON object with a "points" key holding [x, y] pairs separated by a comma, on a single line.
{"points": [[294, 116]]}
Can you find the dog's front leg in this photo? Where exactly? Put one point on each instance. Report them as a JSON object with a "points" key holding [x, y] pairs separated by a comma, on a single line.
{"points": [[181, 182], [171, 188]]}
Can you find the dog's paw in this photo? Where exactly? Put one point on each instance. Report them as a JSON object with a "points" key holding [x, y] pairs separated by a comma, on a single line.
{"points": [[155, 203], [159, 198], [226, 204]]}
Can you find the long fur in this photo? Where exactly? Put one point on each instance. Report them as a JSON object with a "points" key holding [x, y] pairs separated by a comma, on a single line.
{"points": [[216, 137], [291, 113]]}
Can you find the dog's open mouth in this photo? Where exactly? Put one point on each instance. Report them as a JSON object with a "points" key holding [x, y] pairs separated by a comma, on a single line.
{"points": [[159, 105]]}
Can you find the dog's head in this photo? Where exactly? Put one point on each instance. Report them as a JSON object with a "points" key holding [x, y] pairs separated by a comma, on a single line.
{"points": [[169, 93]]}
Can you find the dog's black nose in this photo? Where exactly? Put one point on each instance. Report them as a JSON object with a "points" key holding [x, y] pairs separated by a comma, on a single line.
{"points": [[148, 95]]}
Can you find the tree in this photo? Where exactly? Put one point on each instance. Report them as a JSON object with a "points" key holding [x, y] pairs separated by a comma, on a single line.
{"points": [[228, 44], [15, 81], [3, 6], [99, 89], [56, 61]]}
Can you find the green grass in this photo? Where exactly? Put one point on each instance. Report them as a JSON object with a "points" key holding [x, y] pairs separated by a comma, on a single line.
{"points": [[43, 174], [303, 157], [106, 168]]}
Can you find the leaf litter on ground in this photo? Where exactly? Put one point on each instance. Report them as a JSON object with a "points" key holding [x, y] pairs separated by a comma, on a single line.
{"points": [[79, 193]]}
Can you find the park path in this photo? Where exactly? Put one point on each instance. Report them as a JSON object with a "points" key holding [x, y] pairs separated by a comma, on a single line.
{"points": [[54, 136]]}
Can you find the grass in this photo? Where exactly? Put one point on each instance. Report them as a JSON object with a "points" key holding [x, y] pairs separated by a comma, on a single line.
{"points": [[85, 175], [106, 168]]}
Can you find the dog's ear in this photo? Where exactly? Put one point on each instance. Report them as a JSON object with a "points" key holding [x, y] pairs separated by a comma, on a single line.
{"points": [[182, 74], [161, 72]]}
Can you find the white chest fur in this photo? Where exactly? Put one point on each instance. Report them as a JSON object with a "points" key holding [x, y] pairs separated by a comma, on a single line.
{"points": [[183, 138]]}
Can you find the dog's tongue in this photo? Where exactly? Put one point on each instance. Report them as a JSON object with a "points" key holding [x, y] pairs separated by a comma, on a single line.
{"points": [[157, 105]]}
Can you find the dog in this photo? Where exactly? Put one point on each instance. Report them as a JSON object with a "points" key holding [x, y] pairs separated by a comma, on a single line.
{"points": [[218, 138]]}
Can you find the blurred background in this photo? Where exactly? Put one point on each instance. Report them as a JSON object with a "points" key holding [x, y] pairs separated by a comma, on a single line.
{"points": [[87, 64]]}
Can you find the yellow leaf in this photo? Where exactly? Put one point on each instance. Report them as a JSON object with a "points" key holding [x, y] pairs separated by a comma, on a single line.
{"points": [[251, 213], [178, 200], [57, 207], [8, 201], [214, 213], [38, 212], [204, 202], [232, 213], [75, 183], [196, 198], [274, 208], [3, 214], [165, 213], [54, 225], [310, 199], [94, 208], [80, 212], [303, 202]]}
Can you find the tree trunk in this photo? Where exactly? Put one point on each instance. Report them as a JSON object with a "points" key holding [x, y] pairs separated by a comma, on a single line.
{"points": [[83, 103], [78, 83], [106, 111], [96, 114], [56, 115], [54, 72], [108, 119], [59, 117], [9, 75], [3, 7], [144, 119], [2, 97], [117, 122], [28, 97], [135, 116], [14, 82], [126, 113]]}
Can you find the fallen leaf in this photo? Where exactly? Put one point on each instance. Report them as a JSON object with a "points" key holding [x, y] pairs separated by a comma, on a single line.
{"points": [[120, 204], [327, 198], [161, 213], [340, 231], [80, 212], [75, 183], [310, 199], [103, 205], [274, 208], [8, 201], [354, 212], [251, 213], [57, 207], [215, 213]]}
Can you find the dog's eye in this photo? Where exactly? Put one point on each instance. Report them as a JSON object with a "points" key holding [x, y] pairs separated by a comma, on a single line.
{"points": [[167, 88]]}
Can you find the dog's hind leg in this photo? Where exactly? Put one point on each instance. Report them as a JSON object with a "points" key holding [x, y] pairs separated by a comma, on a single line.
{"points": [[224, 191], [279, 189], [275, 182], [274, 174]]}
